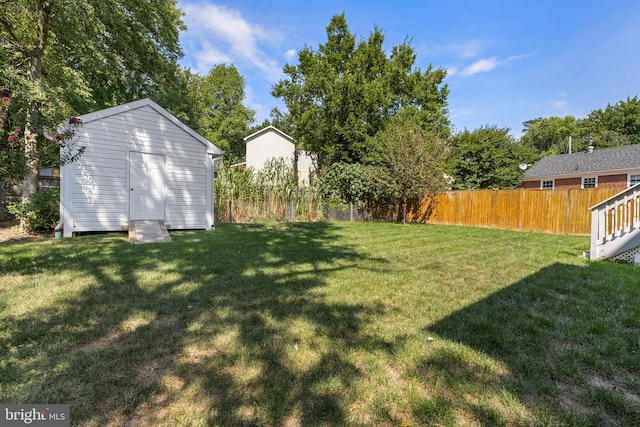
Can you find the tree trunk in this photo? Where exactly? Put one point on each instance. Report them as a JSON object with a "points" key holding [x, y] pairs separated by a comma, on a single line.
{"points": [[30, 183], [404, 211], [401, 216]]}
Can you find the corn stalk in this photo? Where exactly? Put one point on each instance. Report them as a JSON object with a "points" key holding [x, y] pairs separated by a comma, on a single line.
{"points": [[270, 194]]}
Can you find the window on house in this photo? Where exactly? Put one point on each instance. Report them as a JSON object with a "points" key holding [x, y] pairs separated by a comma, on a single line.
{"points": [[633, 180], [590, 182], [547, 185]]}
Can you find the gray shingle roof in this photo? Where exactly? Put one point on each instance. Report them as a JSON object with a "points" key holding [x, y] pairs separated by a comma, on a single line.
{"points": [[606, 159]]}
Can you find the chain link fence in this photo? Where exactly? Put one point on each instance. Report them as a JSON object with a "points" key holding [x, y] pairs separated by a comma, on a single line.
{"points": [[246, 210]]}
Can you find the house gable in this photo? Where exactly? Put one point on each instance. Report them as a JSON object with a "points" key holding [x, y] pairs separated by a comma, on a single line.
{"points": [[269, 143], [147, 102], [268, 129]]}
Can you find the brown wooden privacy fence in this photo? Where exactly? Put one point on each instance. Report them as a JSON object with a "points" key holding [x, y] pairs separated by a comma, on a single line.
{"points": [[547, 211]]}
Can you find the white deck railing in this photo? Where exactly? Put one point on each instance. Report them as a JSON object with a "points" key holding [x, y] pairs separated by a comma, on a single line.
{"points": [[615, 224]]}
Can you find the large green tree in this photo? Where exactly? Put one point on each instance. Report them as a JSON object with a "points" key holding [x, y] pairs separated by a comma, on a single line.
{"points": [[415, 159], [346, 91], [220, 115], [66, 57], [487, 158], [617, 124], [550, 136]]}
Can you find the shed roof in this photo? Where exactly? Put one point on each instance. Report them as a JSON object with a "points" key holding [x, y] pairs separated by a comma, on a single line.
{"points": [[147, 102], [268, 129], [604, 160]]}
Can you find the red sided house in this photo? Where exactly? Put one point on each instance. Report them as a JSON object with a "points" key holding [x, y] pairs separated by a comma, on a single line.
{"points": [[616, 167], [615, 222]]}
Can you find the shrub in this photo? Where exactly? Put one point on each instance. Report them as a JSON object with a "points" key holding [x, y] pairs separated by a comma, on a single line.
{"points": [[345, 183], [40, 213]]}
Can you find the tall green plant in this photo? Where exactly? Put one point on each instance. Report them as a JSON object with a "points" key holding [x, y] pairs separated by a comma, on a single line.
{"points": [[266, 193], [278, 179], [345, 91], [415, 159], [62, 58], [218, 111]]}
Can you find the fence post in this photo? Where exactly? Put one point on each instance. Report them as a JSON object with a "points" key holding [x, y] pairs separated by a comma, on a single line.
{"points": [[292, 210], [351, 212], [268, 204], [231, 211]]}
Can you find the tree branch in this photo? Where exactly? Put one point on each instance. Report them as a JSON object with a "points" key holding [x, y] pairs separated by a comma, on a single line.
{"points": [[12, 34]]}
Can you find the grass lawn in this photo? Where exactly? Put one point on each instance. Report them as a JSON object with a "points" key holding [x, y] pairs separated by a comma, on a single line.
{"points": [[322, 324]]}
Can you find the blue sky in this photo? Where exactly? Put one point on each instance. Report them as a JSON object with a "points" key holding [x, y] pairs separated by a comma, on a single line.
{"points": [[507, 61]]}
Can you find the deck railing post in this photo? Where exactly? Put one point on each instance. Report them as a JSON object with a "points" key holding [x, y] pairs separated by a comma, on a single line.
{"points": [[611, 220], [595, 229]]}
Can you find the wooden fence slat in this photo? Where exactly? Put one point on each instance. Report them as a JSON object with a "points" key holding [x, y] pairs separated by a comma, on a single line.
{"points": [[552, 211], [546, 211]]}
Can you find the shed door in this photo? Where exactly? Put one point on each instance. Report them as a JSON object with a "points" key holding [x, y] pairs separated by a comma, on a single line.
{"points": [[147, 182]]}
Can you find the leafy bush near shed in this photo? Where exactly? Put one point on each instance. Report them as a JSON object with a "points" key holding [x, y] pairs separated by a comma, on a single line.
{"points": [[40, 213]]}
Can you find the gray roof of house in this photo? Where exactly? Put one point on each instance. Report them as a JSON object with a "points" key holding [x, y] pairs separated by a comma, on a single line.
{"points": [[607, 159]]}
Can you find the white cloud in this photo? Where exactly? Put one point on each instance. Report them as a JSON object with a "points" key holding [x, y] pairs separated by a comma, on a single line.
{"points": [[558, 105], [220, 34], [208, 55], [291, 54], [471, 48], [486, 65], [459, 112], [516, 57], [464, 50], [480, 66]]}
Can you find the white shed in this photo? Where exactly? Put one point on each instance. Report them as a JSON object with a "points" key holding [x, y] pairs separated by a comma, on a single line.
{"points": [[271, 143], [140, 163]]}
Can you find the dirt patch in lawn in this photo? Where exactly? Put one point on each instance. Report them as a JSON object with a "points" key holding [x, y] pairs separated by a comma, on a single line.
{"points": [[275, 228], [10, 230], [616, 386]]}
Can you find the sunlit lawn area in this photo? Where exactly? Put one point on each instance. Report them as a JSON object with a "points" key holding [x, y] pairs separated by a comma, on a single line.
{"points": [[322, 324]]}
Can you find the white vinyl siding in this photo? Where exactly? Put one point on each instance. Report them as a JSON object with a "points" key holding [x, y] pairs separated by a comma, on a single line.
{"points": [[267, 146], [271, 144], [99, 181]]}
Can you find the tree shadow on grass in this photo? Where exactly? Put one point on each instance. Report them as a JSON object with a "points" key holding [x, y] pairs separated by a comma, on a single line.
{"points": [[568, 337], [215, 328]]}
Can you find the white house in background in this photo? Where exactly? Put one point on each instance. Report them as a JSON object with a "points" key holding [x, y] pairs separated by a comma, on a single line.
{"points": [[271, 143], [140, 163]]}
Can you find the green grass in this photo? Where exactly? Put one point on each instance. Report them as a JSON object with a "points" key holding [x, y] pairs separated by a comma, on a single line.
{"points": [[322, 324]]}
